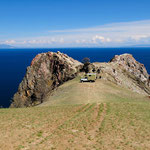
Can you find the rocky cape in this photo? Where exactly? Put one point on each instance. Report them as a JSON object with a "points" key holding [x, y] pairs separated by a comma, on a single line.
{"points": [[49, 70]]}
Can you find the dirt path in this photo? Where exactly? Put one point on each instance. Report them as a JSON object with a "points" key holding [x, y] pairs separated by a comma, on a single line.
{"points": [[77, 93], [100, 117], [82, 135], [90, 92], [53, 132], [90, 139], [101, 91]]}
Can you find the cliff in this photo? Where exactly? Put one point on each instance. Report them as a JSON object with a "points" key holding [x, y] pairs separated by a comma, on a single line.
{"points": [[49, 70], [46, 72]]}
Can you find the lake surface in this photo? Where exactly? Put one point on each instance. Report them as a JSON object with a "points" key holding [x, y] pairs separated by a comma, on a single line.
{"points": [[13, 63]]}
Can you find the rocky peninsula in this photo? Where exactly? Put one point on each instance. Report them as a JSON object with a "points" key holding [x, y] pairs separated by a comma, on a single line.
{"points": [[50, 70]]}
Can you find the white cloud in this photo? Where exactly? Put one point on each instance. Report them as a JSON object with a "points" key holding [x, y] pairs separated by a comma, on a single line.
{"points": [[10, 42], [115, 34], [137, 26], [139, 37], [97, 39]]}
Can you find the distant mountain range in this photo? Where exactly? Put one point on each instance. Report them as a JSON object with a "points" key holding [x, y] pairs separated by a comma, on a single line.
{"points": [[5, 46], [142, 45]]}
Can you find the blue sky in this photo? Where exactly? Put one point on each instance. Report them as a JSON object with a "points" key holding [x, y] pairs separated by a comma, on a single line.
{"points": [[74, 23]]}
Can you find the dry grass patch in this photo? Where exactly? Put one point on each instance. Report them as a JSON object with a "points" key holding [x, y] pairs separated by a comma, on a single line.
{"points": [[98, 115]]}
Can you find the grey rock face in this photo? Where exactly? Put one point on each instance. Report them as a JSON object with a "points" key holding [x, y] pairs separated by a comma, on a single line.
{"points": [[47, 71]]}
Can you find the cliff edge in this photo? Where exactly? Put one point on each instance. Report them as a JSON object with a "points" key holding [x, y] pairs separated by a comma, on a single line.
{"points": [[46, 72]]}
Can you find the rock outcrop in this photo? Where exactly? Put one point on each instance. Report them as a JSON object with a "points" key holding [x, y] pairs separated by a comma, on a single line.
{"points": [[46, 72], [49, 70], [124, 70]]}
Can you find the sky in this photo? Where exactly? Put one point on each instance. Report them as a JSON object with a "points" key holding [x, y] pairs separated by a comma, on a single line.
{"points": [[74, 23]]}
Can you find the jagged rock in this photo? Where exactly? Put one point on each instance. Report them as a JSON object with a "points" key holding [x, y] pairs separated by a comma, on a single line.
{"points": [[133, 70], [47, 71], [124, 70]]}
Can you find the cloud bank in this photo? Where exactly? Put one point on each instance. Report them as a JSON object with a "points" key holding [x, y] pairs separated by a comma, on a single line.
{"points": [[109, 35]]}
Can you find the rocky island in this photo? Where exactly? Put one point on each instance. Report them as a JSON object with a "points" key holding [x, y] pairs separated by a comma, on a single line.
{"points": [[50, 70]]}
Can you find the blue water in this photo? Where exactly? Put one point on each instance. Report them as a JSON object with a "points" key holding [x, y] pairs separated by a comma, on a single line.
{"points": [[13, 63]]}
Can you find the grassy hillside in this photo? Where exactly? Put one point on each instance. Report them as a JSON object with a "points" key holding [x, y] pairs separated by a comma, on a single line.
{"points": [[97, 115], [74, 92]]}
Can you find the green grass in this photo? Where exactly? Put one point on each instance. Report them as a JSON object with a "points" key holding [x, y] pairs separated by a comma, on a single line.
{"points": [[74, 92], [126, 126], [97, 115]]}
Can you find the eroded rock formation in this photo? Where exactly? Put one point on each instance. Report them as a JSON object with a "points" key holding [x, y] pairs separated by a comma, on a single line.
{"points": [[46, 72], [124, 70]]}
